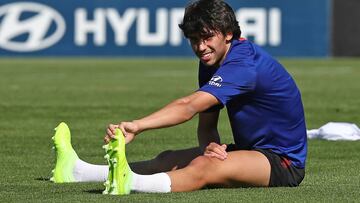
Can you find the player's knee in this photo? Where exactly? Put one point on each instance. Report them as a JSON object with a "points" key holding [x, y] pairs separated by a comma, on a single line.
{"points": [[200, 161], [200, 167]]}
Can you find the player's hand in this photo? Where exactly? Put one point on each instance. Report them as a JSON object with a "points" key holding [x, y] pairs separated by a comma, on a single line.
{"points": [[110, 132], [129, 129], [215, 150]]}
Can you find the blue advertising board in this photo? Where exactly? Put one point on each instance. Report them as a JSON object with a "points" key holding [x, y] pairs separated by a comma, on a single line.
{"points": [[150, 28]]}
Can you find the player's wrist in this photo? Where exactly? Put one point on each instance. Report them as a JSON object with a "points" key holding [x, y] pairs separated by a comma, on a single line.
{"points": [[138, 125]]}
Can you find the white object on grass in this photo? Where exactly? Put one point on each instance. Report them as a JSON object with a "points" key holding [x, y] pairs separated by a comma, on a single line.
{"points": [[335, 131]]}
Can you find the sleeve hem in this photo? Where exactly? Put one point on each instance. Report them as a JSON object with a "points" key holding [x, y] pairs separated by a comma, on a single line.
{"points": [[213, 94]]}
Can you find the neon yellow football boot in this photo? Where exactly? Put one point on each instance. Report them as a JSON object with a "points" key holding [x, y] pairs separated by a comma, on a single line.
{"points": [[120, 175], [65, 155]]}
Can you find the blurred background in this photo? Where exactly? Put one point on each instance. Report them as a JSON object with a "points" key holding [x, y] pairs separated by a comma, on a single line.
{"points": [[94, 62], [307, 28]]}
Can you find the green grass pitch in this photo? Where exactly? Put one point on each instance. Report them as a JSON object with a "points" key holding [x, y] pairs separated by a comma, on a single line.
{"points": [[37, 94]]}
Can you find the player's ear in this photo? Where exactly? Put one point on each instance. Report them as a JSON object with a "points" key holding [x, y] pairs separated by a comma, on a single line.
{"points": [[229, 36]]}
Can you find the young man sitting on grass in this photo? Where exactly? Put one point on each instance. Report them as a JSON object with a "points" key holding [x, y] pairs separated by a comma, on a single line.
{"points": [[264, 108]]}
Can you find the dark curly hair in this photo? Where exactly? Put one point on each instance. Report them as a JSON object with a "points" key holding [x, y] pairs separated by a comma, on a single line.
{"points": [[204, 16]]}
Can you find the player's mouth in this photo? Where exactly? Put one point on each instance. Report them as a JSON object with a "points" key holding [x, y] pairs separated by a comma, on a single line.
{"points": [[206, 56]]}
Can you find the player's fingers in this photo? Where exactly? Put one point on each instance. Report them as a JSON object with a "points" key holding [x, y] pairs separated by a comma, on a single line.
{"points": [[123, 130], [106, 139], [112, 127], [110, 133], [215, 155], [215, 152], [207, 152], [208, 155], [211, 146], [220, 151]]}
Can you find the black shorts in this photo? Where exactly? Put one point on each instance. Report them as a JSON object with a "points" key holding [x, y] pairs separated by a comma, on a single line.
{"points": [[283, 172]]}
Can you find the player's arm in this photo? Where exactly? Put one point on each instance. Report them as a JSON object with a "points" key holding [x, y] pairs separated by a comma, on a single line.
{"points": [[178, 111], [207, 128], [208, 135]]}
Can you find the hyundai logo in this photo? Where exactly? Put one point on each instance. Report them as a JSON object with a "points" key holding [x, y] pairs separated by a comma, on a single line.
{"points": [[44, 28]]}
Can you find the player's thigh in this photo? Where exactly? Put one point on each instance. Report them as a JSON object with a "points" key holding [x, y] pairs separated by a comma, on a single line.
{"points": [[241, 168]]}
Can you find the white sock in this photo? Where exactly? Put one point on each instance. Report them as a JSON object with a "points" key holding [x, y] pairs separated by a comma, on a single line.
{"points": [[156, 183], [85, 172]]}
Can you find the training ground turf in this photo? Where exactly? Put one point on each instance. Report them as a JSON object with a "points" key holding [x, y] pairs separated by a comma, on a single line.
{"points": [[35, 95]]}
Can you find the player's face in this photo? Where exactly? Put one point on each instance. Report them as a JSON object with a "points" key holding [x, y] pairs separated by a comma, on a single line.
{"points": [[211, 50]]}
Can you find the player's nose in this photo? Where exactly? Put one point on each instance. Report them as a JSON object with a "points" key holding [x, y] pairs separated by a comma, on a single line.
{"points": [[201, 46]]}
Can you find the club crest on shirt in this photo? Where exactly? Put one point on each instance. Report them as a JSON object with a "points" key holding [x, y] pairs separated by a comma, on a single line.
{"points": [[216, 81]]}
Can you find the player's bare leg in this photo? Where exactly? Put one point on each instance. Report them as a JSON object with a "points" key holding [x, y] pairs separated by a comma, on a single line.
{"points": [[166, 161], [241, 168]]}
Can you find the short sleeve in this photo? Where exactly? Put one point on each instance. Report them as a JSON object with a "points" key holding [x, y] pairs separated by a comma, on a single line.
{"points": [[231, 80]]}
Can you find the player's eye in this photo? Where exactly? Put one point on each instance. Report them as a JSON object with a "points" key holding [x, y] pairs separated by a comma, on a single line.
{"points": [[208, 38], [194, 40]]}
